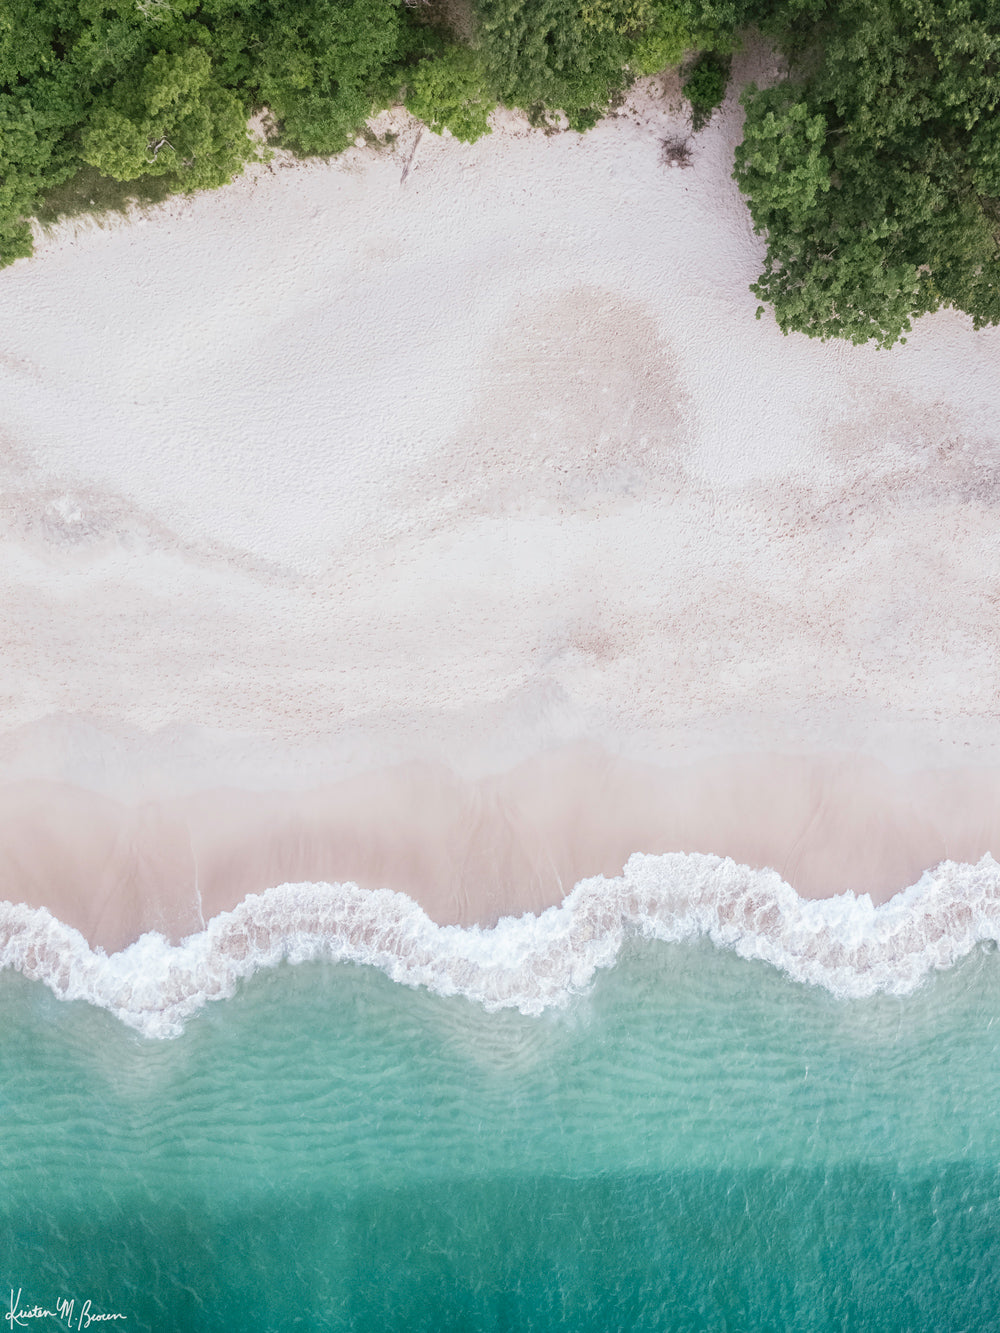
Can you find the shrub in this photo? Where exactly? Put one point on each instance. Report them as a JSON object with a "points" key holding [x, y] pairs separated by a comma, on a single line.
{"points": [[705, 86]]}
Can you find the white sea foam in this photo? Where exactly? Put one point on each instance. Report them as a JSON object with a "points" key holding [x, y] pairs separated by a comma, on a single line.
{"points": [[532, 962]]}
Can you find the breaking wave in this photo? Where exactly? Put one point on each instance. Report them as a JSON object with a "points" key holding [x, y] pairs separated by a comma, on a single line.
{"points": [[846, 944]]}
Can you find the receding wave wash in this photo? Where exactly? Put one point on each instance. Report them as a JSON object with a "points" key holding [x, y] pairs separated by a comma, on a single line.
{"points": [[529, 963]]}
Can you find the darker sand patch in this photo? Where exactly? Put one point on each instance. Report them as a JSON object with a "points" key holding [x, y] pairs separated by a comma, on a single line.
{"points": [[581, 407]]}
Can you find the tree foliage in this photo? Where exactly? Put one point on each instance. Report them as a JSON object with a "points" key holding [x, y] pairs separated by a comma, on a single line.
{"points": [[143, 89], [705, 86], [170, 117], [875, 170], [557, 54], [322, 67], [453, 91], [578, 56], [161, 90]]}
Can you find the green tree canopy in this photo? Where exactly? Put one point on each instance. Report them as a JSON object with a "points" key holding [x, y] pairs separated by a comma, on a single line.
{"points": [[874, 171], [324, 67], [162, 89], [169, 117], [453, 92], [569, 55]]}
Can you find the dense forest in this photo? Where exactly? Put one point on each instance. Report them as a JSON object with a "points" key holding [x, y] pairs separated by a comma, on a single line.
{"points": [[872, 169]]}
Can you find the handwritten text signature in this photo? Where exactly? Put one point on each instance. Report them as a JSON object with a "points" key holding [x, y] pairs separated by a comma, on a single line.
{"points": [[18, 1315]]}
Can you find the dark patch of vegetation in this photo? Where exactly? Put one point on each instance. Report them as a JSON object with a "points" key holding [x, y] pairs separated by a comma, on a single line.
{"points": [[705, 86], [90, 192]]}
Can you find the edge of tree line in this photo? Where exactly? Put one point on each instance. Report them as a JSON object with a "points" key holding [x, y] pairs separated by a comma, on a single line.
{"points": [[872, 168]]}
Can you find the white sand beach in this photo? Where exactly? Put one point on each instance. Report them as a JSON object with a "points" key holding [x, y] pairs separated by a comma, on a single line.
{"points": [[338, 499]]}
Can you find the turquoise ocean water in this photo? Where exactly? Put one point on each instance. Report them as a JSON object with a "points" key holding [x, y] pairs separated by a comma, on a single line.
{"points": [[695, 1141]]}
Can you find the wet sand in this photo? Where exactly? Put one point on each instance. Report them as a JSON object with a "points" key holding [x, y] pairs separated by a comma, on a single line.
{"points": [[474, 851]]}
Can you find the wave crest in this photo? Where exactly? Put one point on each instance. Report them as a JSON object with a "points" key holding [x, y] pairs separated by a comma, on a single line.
{"points": [[531, 963]]}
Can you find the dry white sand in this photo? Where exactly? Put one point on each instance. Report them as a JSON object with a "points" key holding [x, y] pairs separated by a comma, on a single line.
{"points": [[322, 473]]}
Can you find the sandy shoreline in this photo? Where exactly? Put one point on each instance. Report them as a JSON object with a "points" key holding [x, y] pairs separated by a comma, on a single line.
{"points": [[347, 527], [472, 852]]}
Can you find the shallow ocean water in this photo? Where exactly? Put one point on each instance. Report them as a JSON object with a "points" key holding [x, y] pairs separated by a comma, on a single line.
{"points": [[696, 1142]]}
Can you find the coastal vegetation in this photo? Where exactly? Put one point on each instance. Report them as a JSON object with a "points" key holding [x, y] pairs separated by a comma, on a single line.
{"points": [[872, 168], [705, 86]]}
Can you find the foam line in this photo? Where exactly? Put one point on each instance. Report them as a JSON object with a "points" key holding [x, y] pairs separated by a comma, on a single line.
{"points": [[531, 963]]}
